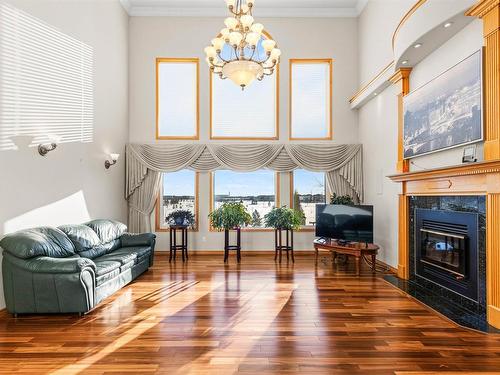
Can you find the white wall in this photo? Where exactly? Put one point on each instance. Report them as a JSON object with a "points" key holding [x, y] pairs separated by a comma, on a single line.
{"points": [[378, 134], [152, 37], [376, 25], [378, 122], [70, 185]]}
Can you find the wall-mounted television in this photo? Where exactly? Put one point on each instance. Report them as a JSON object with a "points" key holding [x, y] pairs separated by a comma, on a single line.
{"points": [[345, 222]]}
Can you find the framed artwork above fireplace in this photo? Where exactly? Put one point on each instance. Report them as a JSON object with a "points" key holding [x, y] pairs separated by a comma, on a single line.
{"points": [[445, 112]]}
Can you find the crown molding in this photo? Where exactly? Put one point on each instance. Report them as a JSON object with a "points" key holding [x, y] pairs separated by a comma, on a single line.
{"points": [[220, 11]]}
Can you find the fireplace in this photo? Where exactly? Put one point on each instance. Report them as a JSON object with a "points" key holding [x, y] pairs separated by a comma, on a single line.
{"points": [[446, 250]]}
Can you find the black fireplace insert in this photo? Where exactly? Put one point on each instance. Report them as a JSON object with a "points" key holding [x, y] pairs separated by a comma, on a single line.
{"points": [[446, 249]]}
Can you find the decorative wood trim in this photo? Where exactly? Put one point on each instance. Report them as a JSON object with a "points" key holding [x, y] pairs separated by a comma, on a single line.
{"points": [[405, 18], [482, 8], [486, 167], [493, 258], [195, 60], [401, 77], [330, 127], [403, 238], [159, 228], [489, 12]]}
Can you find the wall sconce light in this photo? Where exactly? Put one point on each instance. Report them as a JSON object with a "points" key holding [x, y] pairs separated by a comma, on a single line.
{"points": [[114, 158], [45, 148]]}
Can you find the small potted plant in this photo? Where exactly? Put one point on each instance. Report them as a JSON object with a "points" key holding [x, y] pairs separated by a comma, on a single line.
{"points": [[341, 199], [284, 219], [230, 216], [181, 218]]}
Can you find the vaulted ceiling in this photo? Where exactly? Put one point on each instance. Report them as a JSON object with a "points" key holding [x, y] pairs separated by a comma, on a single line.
{"points": [[263, 8]]}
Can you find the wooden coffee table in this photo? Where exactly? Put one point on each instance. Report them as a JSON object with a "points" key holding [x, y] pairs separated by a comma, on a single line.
{"points": [[355, 249]]}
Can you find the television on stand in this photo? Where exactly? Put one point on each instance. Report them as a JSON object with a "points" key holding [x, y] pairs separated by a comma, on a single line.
{"points": [[344, 223]]}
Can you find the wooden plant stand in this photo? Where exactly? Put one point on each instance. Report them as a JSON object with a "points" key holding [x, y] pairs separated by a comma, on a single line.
{"points": [[183, 246], [228, 246], [279, 247]]}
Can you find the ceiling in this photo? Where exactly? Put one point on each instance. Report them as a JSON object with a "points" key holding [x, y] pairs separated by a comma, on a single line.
{"points": [[263, 8]]}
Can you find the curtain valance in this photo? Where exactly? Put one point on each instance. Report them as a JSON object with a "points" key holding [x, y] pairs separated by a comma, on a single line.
{"points": [[343, 163]]}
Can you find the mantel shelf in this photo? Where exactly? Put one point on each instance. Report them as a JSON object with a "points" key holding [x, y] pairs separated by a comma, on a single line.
{"points": [[485, 167]]}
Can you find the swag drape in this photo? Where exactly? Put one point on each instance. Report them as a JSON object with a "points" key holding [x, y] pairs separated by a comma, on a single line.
{"points": [[343, 165]]}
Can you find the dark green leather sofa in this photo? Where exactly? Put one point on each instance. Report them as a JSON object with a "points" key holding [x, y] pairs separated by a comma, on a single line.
{"points": [[70, 269]]}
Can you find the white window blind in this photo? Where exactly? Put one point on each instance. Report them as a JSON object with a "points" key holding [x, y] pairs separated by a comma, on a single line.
{"points": [[310, 99], [250, 113], [46, 82], [177, 98]]}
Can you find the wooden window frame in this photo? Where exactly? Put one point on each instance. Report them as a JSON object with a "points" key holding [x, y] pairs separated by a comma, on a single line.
{"points": [[305, 228], [277, 197], [195, 60], [277, 99], [328, 61], [159, 228]]}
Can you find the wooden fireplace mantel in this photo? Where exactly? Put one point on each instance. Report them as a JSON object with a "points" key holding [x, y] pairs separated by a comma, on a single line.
{"points": [[474, 178], [468, 179]]}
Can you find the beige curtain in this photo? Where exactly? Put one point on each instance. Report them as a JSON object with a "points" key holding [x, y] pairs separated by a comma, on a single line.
{"points": [[343, 165]]}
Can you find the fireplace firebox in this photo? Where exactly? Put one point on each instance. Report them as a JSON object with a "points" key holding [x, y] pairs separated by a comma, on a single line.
{"points": [[446, 247]]}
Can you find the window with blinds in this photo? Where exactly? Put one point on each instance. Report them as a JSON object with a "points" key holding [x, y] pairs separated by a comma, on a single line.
{"points": [[46, 82], [177, 98], [244, 114], [310, 99]]}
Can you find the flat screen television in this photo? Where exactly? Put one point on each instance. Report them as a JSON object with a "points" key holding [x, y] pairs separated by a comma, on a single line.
{"points": [[343, 222]]}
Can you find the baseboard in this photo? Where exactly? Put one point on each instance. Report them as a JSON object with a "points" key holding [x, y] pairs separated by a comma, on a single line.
{"points": [[243, 252], [388, 267]]}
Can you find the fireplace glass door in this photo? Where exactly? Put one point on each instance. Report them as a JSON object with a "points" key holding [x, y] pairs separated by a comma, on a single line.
{"points": [[443, 250]]}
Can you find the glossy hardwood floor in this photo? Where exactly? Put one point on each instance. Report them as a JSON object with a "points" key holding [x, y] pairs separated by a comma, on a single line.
{"points": [[257, 318]]}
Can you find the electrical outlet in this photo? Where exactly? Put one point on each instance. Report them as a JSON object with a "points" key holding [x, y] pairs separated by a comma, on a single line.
{"points": [[203, 239]]}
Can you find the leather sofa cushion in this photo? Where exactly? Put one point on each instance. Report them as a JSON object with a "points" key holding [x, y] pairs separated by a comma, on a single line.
{"points": [[120, 255], [104, 266], [99, 280], [86, 241], [42, 241], [140, 251], [107, 230]]}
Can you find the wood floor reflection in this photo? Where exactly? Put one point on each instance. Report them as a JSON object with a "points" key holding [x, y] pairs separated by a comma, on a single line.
{"points": [[259, 318]]}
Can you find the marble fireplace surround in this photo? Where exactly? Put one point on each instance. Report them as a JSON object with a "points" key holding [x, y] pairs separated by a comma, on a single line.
{"points": [[479, 181]]}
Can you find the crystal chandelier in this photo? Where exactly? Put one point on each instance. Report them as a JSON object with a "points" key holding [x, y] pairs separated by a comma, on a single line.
{"points": [[241, 52]]}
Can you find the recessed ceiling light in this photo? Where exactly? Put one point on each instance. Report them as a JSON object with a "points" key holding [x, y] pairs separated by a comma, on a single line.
{"points": [[404, 62], [374, 94], [447, 24], [418, 45]]}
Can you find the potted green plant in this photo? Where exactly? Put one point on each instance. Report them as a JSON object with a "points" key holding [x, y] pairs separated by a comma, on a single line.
{"points": [[341, 199], [286, 220], [181, 217], [230, 216]]}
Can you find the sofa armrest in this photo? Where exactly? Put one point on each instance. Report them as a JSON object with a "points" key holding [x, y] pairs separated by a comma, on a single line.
{"points": [[52, 265], [48, 285], [141, 239]]}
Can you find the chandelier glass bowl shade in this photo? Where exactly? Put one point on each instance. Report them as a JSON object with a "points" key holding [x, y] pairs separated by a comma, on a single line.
{"points": [[241, 51]]}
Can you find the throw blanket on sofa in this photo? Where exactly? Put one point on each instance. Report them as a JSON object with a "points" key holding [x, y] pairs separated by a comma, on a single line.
{"points": [[343, 165]]}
